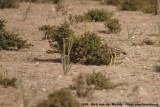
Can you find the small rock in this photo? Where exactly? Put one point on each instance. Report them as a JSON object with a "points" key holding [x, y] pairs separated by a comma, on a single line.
{"points": [[104, 90], [43, 89], [59, 76], [127, 59], [132, 37]]}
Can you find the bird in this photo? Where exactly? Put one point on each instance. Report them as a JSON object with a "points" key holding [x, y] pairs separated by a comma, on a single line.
{"points": [[114, 49]]}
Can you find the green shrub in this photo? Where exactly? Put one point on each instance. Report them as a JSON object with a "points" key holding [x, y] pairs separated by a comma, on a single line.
{"points": [[48, 31], [62, 98], [9, 40], [57, 34], [8, 4], [132, 5], [88, 49], [98, 15], [77, 18], [113, 26], [147, 6], [150, 6], [100, 81], [2, 24], [6, 82]]}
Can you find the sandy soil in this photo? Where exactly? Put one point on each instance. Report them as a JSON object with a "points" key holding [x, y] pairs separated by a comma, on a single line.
{"points": [[44, 75]]}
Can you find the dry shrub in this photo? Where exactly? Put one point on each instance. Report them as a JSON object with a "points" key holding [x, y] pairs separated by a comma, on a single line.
{"points": [[113, 26], [83, 90], [6, 82]]}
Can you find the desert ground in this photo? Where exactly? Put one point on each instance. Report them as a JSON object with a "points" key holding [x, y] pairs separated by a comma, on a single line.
{"points": [[40, 73]]}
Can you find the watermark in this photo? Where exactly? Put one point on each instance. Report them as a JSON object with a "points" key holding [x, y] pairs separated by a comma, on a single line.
{"points": [[119, 104]]}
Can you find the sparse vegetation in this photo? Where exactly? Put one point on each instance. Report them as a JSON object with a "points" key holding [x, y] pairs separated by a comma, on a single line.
{"points": [[147, 41], [87, 48], [56, 34], [100, 81], [113, 26], [61, 98], [8, 4], [77, 18], [9, 40], [147, 6], [113, 2], [98, 15], [6, 82], [42, 1]]}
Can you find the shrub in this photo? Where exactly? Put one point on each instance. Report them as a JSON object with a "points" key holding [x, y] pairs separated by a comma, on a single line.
{"points": [[112, 2], [147, 41], [42, 1], [6, 82], [62, 98], [147, 6], [8, 4], [88, 49], [9, 40], [150, 6], [98, 15], [131, 5], [77, 18], [56, 34], [113, 26], [2, 24], [100, 81], [48, 31]]}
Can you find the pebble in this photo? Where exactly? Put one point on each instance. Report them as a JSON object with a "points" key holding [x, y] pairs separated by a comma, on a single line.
{"points": [[43, 89]]}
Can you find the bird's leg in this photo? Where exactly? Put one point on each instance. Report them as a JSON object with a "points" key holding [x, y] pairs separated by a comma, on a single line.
{"points": [[115, 59], [111, 61]]}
